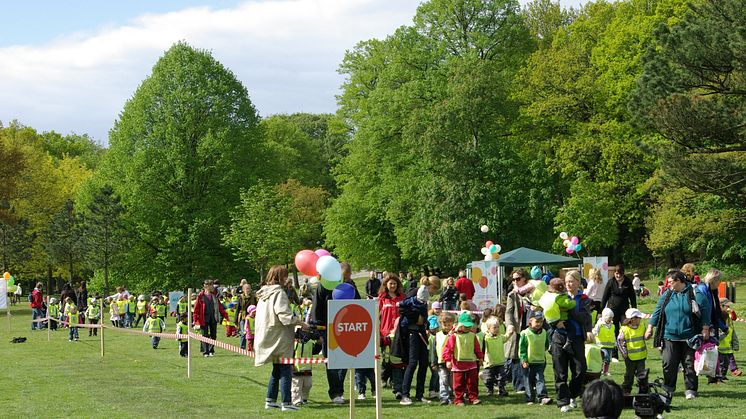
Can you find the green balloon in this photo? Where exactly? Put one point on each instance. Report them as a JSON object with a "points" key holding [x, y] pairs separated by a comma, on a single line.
{"points": [[330, 285], [12, 280]]}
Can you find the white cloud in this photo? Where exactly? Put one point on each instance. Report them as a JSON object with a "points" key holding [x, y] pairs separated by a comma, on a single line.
{"points": [[286, 52]]}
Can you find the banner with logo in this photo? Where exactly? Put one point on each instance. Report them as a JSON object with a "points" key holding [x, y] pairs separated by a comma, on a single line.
{"points": [[351, 334]]}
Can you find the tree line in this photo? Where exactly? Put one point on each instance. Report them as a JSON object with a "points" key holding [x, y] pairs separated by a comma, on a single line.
{"points": [[622, 122]]}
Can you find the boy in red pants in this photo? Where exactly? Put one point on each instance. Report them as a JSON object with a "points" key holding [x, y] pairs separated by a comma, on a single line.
{"points": [[462, 353]]}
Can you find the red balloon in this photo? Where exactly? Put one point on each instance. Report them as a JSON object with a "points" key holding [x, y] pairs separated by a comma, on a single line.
{"points": [[488, 244], [353, 329], [483, 282], [305, 261]]}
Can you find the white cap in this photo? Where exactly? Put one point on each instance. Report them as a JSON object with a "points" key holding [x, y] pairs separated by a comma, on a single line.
{"points": [[632, 313]]}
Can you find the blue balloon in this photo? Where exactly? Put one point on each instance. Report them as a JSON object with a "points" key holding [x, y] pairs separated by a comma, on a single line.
{"points": [[578, 247], [344, 291]]}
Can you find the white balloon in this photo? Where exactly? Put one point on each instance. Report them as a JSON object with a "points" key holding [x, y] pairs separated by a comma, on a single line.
{"points": [[484, 228], [564, 235], [498, 248], [485, 250], [488, 256]]}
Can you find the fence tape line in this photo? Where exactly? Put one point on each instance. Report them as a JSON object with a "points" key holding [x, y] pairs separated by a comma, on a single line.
{"points": [[250, 354]]}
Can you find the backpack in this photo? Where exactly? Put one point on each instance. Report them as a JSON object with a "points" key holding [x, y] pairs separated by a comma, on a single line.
{"points": [[31, 298]]}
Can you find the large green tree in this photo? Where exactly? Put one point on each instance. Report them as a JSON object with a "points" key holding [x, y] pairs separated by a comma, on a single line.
{"points": [[181, 150], [64, 240], [105, 230]]}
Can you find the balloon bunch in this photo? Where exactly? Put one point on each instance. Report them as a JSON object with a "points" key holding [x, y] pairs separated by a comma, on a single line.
{"points": [[572, 244], [8, 277], [322, 264], [491, 251]]}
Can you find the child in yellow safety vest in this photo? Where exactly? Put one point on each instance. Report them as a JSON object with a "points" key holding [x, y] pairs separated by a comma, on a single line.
{"points": [[493, 372], [182, 329], [532, 348], [462, 354], [229, 320], [113, 311], [154, 324], [93, 314], [131, 310], [728, 343], [249, 327], [54, 313], [604, 333], [69, 305], [141, 309], [302, 374], [438, 364], [631, 345], [73, 318]]}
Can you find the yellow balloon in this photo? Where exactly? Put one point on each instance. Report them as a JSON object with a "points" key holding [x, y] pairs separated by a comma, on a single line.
{"points": [[332, 340], [6, 275], [476, 274], [587, 269]]}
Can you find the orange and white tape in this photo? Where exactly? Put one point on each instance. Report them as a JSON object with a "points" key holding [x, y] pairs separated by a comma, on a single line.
{"points": [[140, 332]]}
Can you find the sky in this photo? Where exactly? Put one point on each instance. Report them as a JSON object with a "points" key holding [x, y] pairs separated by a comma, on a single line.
{"points": [[70, 66]]}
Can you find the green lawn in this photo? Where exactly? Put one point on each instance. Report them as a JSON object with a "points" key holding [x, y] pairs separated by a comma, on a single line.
{"points": [[64, 379]]}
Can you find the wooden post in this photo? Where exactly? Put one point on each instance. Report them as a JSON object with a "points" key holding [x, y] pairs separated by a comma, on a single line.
{"points": [[101, 322], [49, 322], [352, 392], [189, 330], [377, 367]]}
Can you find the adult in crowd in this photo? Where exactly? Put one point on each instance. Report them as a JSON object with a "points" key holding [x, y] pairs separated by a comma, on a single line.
{"points": [[594, 290], [415, 328], [17, 294], [688, 270], [67, 292], [372, 285], [208, 312], [275, 332], [334, 377], [676, 321], [245, 299], [716, 322], [37, 306], [636, 284], [603, 399], [464, 285], [390, 294], [619, 295], [82, 297], [516, 320], [568, 350]]}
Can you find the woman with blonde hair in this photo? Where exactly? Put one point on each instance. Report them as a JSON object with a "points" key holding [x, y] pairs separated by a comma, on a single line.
{"points": [[594, 290]]}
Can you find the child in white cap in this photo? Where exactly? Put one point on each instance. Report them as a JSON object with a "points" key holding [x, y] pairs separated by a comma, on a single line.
{"points": [[604, 333], [634, 350]]}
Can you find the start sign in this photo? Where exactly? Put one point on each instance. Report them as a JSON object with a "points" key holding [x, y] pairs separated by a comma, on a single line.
{"points": [[351, 334]]}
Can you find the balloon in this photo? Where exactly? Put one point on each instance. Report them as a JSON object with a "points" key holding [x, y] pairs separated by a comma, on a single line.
{"points": [[574, 240], [328, 267], [488, 256], [495, 256], [6, 275], [564, 235], [497, 248], [493, 248], [485, 250], [484, 228], [578, 247], [305, 261], [330, 285], [352, 329], [488, 244], [570, 250], [12, 280], [483, 282], [476, 274], [566, 243], [322, 252], [605, 266], [344, 291]]}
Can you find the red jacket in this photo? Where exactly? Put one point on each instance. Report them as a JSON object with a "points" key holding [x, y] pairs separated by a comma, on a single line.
{"points": [[388, 311], [465, 286], [199, 308], [448, 355], [37, 298]]}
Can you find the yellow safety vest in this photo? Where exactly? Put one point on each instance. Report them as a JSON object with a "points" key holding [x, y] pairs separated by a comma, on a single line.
{"points": [[131, 306], [121, 306], [464, 348], [548, 303], [725, 346], [54, 310], [303, 350], [92, 312], [440, 343], [231, 312], [141, 307], [605, 337], [181, 329], [636, 347], [537, 346], [73, 318], [160, 310], [540, 288], [181, 307], [593, 358], [494, 350], [154, 325], [251, 325]]}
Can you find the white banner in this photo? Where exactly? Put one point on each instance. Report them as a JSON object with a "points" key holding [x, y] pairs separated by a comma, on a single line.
{"points": [[484, 277], [173, 300], [3, 294], [599, 262], [351, 334]]}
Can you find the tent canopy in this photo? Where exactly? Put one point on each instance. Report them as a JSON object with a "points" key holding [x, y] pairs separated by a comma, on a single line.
{"points": [[524, 256]]}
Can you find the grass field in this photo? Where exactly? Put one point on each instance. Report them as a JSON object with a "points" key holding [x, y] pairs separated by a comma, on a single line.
{"points": [[65, 379]]}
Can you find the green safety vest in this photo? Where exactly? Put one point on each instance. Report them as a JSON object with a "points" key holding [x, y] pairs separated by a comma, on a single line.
{"points": [[131, 307], [464, 348], [141, 307], [440, 343], [636, 347], [121, 306], [231, 312], [73, 318], [605, 337], [593, 358], [181, 329], [251, 325], [536, 346], [160, 309], [725, 346], [92, 312], [303, 350], [494, 350], [540, 288], [54, 310], [181, 307], [154, 325], [548, 303]]}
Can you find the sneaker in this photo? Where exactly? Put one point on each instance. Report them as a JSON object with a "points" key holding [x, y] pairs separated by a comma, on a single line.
{"points": [[476, 401], [614, 360], [529, 403], [422, 400], [546, 400], [271, 405], [690, 394], [432, 395], [520, 392], [405, 401], [565, 408], [573, 404], [211, 354], [361, 396], [490, 393], [398, 396], [338, 400], [445, 402], [458, 403], [205, 355], [286, 407], [69, 340]]}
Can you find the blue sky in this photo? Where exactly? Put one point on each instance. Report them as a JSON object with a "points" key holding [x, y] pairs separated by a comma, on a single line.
{"points": [[70, 65]]}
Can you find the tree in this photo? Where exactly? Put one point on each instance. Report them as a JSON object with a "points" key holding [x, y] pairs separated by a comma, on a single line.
{"points": [[16, 243], [64, 241], [544, 18], [183, 147], [104, 230]]}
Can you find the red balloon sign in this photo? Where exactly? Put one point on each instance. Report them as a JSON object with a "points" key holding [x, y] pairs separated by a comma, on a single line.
{"points": [[353, 329]]}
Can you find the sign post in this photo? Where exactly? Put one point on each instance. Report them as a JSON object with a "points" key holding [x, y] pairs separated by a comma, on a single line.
{"points": [[189, 331], [101, 323], [352, 335]]}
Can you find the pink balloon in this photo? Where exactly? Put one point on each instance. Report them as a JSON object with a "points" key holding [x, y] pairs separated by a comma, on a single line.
{"points": [[570, 250], [574, 240], [488, 244], [322, 252], [305, 261], [605, 266]]}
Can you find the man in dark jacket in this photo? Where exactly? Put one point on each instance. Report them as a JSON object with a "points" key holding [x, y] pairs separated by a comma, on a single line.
{"points": [[372, 286]]}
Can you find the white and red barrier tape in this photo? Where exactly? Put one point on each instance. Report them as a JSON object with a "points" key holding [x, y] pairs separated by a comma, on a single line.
{"points": [[250, 354]]}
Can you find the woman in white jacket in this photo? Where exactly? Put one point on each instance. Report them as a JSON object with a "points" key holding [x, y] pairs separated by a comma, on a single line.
{"points": [[275, 330]]}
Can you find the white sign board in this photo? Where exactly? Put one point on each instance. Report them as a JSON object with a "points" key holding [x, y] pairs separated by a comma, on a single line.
{"points": [[3, 294], [173, 300], [351, 334], [599, 262], [484, 277]]}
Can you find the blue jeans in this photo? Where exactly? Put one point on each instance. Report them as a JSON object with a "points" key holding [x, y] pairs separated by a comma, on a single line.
{"points": [[242, 333], [363, 374], [73, 333], [280, 380], [446, 390], [513, 366], [533, 377], [155, 340], [36, 313]]}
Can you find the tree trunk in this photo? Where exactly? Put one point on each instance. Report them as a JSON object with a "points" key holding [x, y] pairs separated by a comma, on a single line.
{"points": [[49, 279]]}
